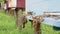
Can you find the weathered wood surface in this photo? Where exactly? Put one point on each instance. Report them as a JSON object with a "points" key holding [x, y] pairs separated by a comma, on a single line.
{"points": [[18, 18]]}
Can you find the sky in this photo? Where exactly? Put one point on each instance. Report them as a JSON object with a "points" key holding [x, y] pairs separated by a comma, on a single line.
{"points": [[40, 6]]}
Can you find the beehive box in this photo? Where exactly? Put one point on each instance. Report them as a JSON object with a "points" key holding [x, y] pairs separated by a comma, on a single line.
{"points": [[16, 3]]}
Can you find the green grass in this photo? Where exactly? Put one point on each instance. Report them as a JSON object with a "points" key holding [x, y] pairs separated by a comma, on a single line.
{"points": [[8, 26], [1, 0]]}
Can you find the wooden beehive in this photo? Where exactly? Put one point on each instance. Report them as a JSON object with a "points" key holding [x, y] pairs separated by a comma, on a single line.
{"points": [[16, 3], [21, 3]]}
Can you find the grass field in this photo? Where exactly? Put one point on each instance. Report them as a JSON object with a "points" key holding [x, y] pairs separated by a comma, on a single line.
{"points": [[1, 0], [8, 26]]}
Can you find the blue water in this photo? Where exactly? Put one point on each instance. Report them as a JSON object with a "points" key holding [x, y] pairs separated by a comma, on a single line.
{"points": [[49, 21], [52, 22]]}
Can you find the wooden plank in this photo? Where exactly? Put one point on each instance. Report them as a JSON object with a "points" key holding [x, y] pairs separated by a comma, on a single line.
{"points": [[20, 19]]}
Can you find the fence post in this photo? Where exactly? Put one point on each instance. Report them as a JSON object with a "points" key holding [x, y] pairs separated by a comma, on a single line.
{"points": [[20, 19]]}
